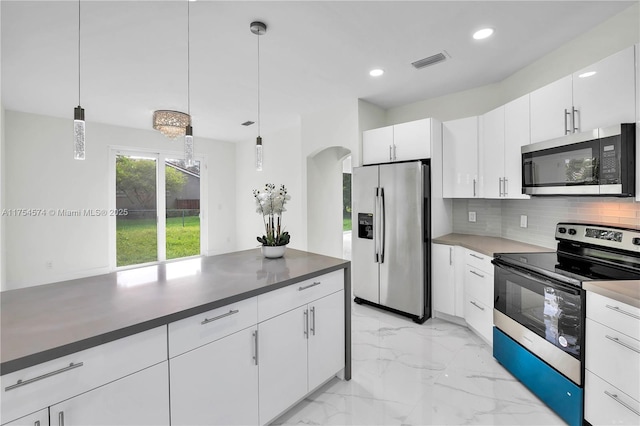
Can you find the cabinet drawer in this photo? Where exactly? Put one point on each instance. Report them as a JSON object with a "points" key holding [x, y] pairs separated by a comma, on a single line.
{"points": [[617, 315], [606, 405], [198, 330], [614, 357], [53, 381], [479, 317], [40, 418], [290, 297], [479, 284], [479, 261]]}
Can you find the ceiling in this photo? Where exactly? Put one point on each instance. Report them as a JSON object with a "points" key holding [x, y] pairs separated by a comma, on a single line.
{"points": [[315, 54]]}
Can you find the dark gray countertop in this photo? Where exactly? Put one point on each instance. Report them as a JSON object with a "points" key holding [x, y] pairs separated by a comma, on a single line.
{"points": [[48, 321]]}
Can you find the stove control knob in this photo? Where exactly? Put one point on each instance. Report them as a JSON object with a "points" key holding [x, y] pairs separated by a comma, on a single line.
{"points": [[572, 231], [562, 230], [636, 241]]}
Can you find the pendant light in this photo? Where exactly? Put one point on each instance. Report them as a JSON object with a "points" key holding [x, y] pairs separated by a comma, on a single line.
{"points": [[78, 112], [258, 28], [188, 137]]}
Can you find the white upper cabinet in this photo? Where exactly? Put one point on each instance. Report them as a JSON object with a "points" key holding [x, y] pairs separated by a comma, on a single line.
{"points": [[460, 158], [492, 153], [600, 95], [551, 110], [400, 142], [377, 145], [604, 93]]}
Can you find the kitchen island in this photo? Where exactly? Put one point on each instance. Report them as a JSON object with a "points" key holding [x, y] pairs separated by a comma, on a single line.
{"points": [[233, 293]]}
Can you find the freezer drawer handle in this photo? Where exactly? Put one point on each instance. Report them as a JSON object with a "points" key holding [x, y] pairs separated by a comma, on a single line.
{"points": [[621, 343], [476, 305], [315, 283], [208, 320], [621, 402], [617, 309], [44, 376]]}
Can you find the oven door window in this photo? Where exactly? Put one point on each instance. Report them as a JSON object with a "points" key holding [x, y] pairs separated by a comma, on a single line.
{"points": [[550, 311], [570, 165]]}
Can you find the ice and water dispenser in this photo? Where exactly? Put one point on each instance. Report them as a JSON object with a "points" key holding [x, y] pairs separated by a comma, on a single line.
{"points": [[365, 226]]}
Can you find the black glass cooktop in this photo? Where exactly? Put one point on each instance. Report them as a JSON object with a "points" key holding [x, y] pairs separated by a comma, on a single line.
{"points": [[568, 268]]}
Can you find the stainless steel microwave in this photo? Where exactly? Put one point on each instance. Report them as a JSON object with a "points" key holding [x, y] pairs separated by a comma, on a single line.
{"points": [[598, 162]]}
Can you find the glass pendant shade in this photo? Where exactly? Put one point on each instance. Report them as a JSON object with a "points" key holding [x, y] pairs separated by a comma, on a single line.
{"points": [[259, 154], [188, 147], [78, 133], [172, 124]]}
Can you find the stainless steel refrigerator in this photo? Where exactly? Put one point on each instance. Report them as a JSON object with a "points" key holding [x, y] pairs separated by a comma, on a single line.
{"points": [[390, 237]]}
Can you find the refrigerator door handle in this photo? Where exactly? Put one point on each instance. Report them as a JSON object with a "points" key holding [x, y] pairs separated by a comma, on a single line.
{"points": [[382, 229], [375, 227]]}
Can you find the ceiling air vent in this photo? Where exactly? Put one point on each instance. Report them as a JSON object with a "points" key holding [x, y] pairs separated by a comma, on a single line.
{"points": [[248, 123], [431, 60]]}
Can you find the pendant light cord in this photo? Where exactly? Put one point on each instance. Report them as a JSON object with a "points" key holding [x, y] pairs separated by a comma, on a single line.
{"points": [[258, 36], [78, 52], [189, 59]]}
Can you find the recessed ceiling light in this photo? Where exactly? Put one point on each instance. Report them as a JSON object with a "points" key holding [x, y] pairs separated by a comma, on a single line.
{"points": [[587, 74], [483, 33], [376, 72]]}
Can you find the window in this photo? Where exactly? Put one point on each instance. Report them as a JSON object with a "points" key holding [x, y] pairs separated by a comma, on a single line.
{"points": [[157, 208]]}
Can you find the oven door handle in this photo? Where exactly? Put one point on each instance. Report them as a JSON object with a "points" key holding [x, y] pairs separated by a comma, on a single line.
{"points": [[549, 282]]}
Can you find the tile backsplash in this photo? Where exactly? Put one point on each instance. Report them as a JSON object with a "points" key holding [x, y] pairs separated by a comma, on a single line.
{"points": [[501, 218]]}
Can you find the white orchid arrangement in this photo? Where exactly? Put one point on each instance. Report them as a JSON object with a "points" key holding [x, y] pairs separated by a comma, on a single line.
{"points": [[270, 204]]}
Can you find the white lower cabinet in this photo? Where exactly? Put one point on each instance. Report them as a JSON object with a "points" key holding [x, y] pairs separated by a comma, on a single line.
{"points": [[39, 418], [139, 399], [298, 351], [605, 404], [447, 278], [216, 384], [478, 294]]}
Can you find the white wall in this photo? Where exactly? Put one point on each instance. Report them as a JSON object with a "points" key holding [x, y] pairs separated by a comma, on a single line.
{"points": [[40, 173], [335, 128], [282, 166]]}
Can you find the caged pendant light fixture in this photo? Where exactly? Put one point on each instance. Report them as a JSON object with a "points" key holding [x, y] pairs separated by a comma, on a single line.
{"points": [[78, 113], [188, 138], [258, 28]]}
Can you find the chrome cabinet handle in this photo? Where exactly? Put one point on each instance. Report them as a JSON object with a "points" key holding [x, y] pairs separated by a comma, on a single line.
{"points": [[390, 156], [476, 305], [474, 187], [44, 376], [313, 320], [450, 255], [621, 402], [36, 423], [61, 418], [476, 274], [476, 256], [566, 124], [617, 309], [315, 283], [255, 347], [305, 326], [395, 157], [208, 320], [500, 187], [574, 113], [621, 343]]}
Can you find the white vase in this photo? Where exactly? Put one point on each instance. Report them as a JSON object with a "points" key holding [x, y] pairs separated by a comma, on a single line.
{"points": [[273, 252]]}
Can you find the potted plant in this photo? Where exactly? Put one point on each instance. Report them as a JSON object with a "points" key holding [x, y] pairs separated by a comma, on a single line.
{"points": [[270, 204]]}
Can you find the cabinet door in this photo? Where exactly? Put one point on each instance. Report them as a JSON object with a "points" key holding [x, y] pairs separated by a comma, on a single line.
{"points": [[516, 135], [548, 105], [326, 338], [39, 418], [282, 359], [412, 140], [443, 278], [603, 93], [460, 158], [216, 384], [139, 399], [377, 145], [492, 154]]}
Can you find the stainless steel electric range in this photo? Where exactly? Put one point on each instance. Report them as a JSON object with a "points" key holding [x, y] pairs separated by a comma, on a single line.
{"points": [[539, 308]]}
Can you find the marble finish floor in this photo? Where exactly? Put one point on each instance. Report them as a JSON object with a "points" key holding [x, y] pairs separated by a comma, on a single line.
{"points": [[437, 373]]}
